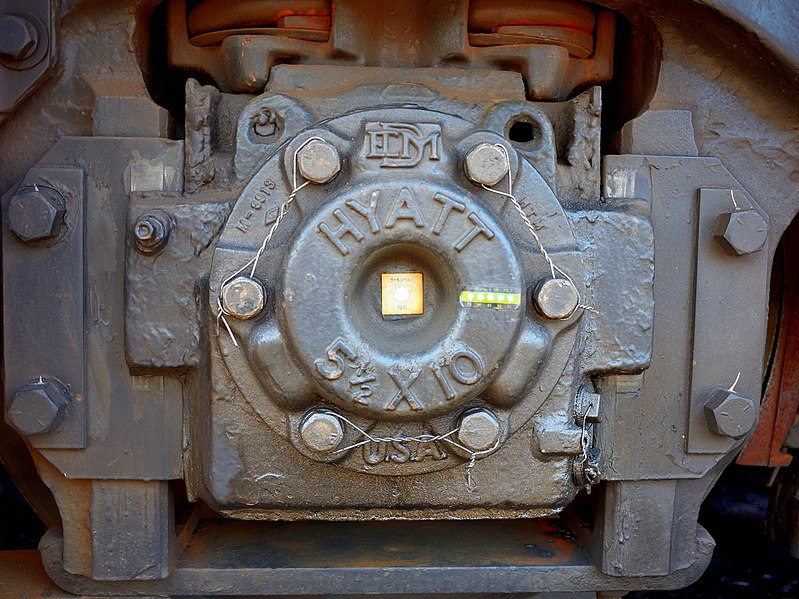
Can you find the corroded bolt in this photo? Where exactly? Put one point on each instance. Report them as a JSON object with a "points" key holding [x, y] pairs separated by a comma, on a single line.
{"points": [[18, 37], [38, 406], [321, 431], [556, 298], [318, 161], [243, 297], [729, 414], [478, 430], [35, 215], [151, 234], [265, 123], [741, 232], [486, 164]]}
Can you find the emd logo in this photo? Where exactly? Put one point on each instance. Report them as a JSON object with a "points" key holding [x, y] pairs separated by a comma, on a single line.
{"points": [[402, 145]]}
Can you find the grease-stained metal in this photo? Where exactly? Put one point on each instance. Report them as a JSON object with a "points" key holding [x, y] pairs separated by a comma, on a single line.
{"points": [[323, 152]]}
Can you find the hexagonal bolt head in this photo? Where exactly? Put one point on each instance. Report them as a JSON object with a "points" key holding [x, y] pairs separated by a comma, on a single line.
{"points": [[38, 406], [151, 234], [486, 164], [321, 431], [35, 215], [556, 298], [18, 37], [730, 414], [741, 232], [318, 161], [243, 297], [478, 430]]}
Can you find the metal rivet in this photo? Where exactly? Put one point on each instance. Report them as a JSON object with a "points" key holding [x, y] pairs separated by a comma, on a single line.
{"points": [[478, 430], [321, 431], [243, 297], [318, 161], [486, 164], [556, 298]]}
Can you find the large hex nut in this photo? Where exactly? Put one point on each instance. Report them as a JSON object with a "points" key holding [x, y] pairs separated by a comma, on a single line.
{"points": [[35, 215], [730, 414], [38, 406], [18, 37], [243, 297], [321, 431], [486, 164], [151, 234], [741, 232], [478, 430], [556, 299], [318, 161]]}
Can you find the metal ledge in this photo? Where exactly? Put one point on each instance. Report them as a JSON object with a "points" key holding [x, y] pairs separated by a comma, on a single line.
{"points": [[329, 558]]}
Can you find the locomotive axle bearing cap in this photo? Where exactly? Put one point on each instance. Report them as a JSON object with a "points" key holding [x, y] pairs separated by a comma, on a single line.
{"points": [[243, 297], [401, 364]]}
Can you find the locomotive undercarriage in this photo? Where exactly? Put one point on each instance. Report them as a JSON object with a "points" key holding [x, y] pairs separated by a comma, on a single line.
{"points": [[402, 298]]}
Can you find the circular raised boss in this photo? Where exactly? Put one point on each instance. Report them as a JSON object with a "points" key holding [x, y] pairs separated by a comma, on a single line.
{"points": [[386, 364]]}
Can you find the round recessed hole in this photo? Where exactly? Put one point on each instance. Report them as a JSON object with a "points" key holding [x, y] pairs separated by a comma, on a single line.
{"points": [[403, 335], [521, 131]]}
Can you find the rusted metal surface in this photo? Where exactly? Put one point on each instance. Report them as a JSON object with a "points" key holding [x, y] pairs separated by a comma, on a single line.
{"points": [[559, 46], [781, 398], [22, 576], [376, 558], [213, 20]]}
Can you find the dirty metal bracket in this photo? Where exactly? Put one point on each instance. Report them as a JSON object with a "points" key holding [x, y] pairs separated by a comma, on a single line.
{"points": [[730, 291], [48, 280], [310, 558]]}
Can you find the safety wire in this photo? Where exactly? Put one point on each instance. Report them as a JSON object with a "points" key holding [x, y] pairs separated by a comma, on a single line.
{"points": [[423, 438], [554, 268], [584, 438], [252, 263]]}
